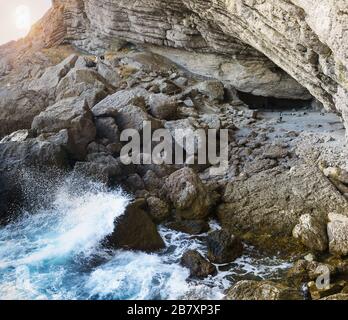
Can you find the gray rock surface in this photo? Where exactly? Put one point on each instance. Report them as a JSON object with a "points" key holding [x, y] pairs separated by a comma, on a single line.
{"points": [[305, 39]]}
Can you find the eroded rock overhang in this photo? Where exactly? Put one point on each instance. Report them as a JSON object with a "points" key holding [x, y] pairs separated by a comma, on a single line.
{"points": [[243, 40]]}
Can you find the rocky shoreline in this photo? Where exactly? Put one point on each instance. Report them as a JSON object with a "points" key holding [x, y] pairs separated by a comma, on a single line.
{"points": [[285, 191]]}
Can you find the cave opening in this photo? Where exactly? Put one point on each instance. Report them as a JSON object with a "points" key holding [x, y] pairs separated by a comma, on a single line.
{"points": [[272, 103]]}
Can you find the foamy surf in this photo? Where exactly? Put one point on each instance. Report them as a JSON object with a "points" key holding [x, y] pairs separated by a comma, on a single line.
{"points": [[55, 252]]}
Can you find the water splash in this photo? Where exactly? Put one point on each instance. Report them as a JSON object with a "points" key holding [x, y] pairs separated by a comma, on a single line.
{"points": [[54, 251]]}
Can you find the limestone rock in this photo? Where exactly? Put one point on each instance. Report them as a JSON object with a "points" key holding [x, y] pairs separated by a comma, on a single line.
{"points": [[262, 290], [18, 107], [188, 194], [337, 229], [312, 233], [85, 83], [110, 106], [336, 173], [128, 109], [37, 152], [199, 267], [72, 114], [272, 201], [307, 41], [49, 81]]}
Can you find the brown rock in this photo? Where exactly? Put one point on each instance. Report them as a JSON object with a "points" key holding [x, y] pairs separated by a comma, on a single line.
{"points": [[223, 247], [135, 231], [199, 267]]}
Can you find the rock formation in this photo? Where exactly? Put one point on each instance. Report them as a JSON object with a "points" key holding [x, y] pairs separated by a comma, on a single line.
{"points": [[90, 69], [305, 39]]}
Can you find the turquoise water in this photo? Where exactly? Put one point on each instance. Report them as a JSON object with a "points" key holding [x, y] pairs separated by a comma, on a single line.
{"points": [[54, 251]]}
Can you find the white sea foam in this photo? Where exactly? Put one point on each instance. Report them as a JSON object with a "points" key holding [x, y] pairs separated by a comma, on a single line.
{"points": [[55, 252]]}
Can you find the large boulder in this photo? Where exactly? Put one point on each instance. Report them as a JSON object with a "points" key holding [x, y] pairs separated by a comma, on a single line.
{"points": [[223, 247], [47, 150], [86, 83], [312, 233], [188, 194], [272, 201], [18, 107], [262, 290], [337, 229], [134, 230], [74, 115], [198, 265], [128, 107], [49, 81]]}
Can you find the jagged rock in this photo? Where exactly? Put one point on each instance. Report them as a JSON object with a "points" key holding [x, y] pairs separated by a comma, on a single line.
{"points": [[188, 194], [18, 107], [337, 229], [162, 106], [307, 41], [193, 227], [49, 81], [109, 73], [41, 151], [18, 136], [72, 114], [262, 290], [128, 109], [158, 209], [110, 106], [223, 247], [312, 233], [199, 267], [134, 230], [273, 200], [85, 83]]}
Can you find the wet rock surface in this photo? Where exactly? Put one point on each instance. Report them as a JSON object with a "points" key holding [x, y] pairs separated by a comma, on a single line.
{"points": [[199, 267], [135, 231]]}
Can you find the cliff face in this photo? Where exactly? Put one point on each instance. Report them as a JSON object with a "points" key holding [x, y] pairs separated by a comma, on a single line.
{"points": [[306, 38]]}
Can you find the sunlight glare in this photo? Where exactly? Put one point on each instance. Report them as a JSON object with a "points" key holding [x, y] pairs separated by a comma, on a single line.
{"points": [[23, 18]]}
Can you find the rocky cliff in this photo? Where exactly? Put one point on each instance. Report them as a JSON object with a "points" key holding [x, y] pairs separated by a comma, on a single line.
{"points": [[248, 39]]}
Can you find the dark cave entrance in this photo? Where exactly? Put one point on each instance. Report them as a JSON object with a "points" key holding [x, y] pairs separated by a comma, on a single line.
{"points": [[273, 104]]}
